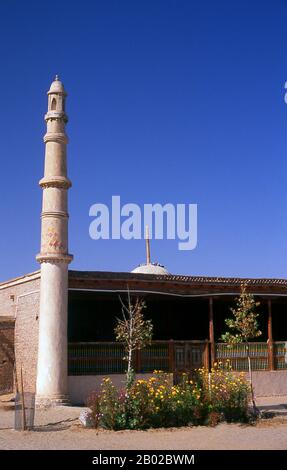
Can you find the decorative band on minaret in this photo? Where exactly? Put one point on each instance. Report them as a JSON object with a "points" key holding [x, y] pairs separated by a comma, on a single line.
{"points": [[52, 374]]}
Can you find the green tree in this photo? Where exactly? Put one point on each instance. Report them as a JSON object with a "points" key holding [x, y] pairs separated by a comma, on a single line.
{"points": [[133, 331], [244, 327]]}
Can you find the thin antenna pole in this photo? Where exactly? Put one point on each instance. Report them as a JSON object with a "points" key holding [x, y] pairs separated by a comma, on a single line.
{"points": [[147, 246]]}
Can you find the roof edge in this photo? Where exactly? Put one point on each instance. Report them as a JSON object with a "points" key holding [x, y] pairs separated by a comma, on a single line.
{"points": [[112, 275], [21, 279], [180, 278]]}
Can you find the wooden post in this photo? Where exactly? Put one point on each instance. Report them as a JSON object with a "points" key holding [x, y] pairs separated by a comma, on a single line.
{"points": [[15, 377], [270, 338], [171, 355], [23, 401], [211, 332]]}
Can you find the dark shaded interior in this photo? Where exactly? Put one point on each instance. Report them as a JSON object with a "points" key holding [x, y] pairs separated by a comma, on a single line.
{"points": [[279, 319], [92, 316]]}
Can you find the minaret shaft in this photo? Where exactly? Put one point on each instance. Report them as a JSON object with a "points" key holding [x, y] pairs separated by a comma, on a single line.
{"points": [[52, 386]]}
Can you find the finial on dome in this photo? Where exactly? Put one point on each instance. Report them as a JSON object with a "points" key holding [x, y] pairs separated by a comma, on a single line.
{"points": [[147, 246], [149, 267], [57, 87]]}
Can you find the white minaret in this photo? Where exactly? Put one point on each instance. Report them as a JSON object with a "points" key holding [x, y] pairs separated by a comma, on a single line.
{"points": [[52, 374]]}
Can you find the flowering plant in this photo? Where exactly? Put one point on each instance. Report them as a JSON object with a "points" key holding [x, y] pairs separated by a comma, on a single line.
{"points": [[157, 402]]}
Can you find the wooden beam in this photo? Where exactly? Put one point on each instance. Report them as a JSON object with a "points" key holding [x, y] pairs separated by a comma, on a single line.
{"points": [[270, 338], [211, 332]]}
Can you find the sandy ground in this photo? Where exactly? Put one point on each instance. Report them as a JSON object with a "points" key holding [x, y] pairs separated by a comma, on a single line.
{"points": [[59, 428]]}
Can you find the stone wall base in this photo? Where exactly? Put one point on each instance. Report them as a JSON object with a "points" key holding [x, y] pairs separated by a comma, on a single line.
{"points": [[81, 386], [266, 383], [270, 383]]}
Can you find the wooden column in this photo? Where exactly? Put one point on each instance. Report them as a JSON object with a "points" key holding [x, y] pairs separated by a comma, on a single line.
{"points": [[270, 338], [211, 332]]}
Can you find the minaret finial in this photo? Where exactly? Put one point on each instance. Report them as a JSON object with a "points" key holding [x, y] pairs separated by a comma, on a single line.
{"points": [[147, 246], [56, 78]]}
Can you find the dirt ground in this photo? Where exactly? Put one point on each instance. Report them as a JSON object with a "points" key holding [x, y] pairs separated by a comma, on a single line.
{"points": [[59, 428]]}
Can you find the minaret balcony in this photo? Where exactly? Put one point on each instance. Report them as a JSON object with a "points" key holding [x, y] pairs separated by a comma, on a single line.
{"points": [[56, 115], [54, 258], [61, 182], [59, 137]]}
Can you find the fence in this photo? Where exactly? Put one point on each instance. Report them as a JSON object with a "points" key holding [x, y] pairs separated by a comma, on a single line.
{"points": [[280, 355], [261, 355], [107, 358], [172, 356]]}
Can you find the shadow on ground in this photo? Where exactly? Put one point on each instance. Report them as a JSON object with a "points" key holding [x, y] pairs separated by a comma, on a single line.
{"points": [[57, 426], [279, 409]]}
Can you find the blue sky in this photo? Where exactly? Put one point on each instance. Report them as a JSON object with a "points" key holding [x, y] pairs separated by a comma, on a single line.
{"points": [[169, 101]]}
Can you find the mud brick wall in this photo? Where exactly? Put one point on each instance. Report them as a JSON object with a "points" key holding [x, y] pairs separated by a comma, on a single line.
{"points": [[26, 339], [6, 356], [19, 300]]}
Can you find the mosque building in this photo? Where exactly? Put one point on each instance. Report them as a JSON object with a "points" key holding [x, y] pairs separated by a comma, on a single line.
{"points": [[57, 325]]}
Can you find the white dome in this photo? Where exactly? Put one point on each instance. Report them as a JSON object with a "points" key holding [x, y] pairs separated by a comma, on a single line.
{"points": [[57, 86], [151, 268]]}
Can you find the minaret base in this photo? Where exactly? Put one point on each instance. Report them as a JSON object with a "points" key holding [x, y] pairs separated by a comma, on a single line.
{"points": [[47, 402]]}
